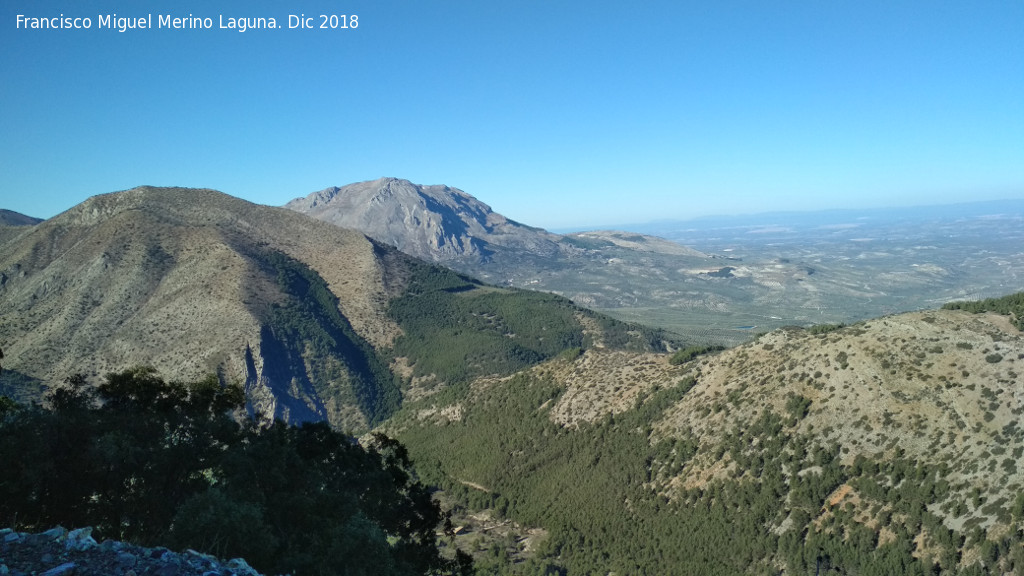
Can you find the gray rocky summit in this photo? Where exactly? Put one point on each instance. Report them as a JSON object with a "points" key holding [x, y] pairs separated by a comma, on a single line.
{"points": [[435, 223]]}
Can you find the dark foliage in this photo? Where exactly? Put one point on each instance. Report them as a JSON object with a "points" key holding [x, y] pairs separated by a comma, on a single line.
{"points": [[1012, 305], [159, 463], [611, 492], [824, 328], [457, 329], [686, 354]]}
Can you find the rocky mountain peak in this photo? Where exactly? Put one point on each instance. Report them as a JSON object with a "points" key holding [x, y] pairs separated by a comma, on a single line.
{"points": [[437, 222]]}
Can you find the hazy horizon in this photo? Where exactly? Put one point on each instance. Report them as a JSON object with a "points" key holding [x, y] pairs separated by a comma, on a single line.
{"points": [[738, 219]]}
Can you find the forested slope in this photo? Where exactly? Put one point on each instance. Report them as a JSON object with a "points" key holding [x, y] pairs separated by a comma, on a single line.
{"points": [[886, 447]]}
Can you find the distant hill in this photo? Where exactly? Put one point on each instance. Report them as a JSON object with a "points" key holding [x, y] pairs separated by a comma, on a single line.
{"points": [[319, 322], [435, 223], [715, 280], [601, 269], [11, 218]]}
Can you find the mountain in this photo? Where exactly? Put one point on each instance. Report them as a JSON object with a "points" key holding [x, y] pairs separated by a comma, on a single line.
{"points": [[13, 224], [11, 218], [889, 446], [190, 282], [435, 223], [602, 269], [717, 280], [318, 322]]}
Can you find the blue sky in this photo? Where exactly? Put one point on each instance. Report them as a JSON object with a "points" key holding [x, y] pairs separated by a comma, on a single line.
{"points": [[557, 114]]}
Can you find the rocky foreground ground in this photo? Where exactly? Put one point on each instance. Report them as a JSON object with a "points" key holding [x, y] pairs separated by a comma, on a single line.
{"points": [[58, 552]]}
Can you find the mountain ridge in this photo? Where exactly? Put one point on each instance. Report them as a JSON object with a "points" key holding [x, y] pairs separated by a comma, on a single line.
{"points": [[744, 279], [317, 322], [12, 218], [169, 277]]}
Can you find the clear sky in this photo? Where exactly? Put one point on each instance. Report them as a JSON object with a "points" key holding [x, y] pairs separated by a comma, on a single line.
{"points": [[557, 114]]}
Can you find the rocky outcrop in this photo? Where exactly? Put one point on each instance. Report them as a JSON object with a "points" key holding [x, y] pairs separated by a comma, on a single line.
{"points": [[58, 552], [435, 223]]}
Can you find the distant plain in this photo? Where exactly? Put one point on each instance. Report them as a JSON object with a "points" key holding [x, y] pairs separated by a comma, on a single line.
{"points": [[808, 268]]}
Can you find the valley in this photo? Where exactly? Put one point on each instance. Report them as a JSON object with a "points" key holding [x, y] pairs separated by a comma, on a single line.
{"points": [[852, 424], [902, 430], [712, 280]]}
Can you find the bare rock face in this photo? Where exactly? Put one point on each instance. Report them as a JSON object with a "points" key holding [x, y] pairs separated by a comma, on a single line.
{"points": [[435, 223]]}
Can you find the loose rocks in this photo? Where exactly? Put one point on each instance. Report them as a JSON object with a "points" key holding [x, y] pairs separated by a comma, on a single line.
{"points": [[58, 552]]}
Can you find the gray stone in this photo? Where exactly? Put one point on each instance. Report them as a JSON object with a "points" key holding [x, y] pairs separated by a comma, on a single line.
{"points": [[112, 546], [126, 559], [12, 537], [80, 540], [241, 567], [63, 570], [170, 558], [200, 556], [57, 533]]}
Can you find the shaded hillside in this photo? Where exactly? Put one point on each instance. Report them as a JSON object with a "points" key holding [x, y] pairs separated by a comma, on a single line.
{"points": [[13, 224], [886, 447], [11, 218], [308, 316], [456, 329], [195, 282]]}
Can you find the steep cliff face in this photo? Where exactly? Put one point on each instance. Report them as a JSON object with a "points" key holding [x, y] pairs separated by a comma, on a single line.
{"points": [[194, 282], [435, 223]]}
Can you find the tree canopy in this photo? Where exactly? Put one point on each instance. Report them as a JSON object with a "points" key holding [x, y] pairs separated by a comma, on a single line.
{"points": [[173, 464]]}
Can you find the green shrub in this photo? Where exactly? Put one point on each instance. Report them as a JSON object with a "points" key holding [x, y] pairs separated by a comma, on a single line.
{"points": [[685, 355], [825, 328]]}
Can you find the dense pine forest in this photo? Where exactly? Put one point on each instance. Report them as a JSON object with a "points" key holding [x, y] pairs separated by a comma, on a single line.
{"points": [[598, 490], [614, 496], [455, 328]]}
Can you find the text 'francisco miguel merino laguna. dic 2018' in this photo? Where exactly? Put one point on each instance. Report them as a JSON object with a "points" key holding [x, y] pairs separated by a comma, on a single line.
{"points": [[167, 21]]}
